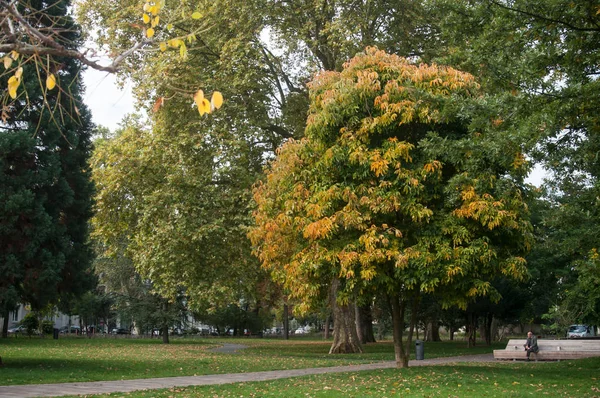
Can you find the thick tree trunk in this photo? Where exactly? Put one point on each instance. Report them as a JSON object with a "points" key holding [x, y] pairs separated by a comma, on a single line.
{"points": [[345, 339], [359, 324], [433, 331], [5, 324], [327, 326], [364, 323]]}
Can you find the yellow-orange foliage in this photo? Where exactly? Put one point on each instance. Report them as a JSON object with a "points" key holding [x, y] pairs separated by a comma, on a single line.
{"points": [[361, 199]]}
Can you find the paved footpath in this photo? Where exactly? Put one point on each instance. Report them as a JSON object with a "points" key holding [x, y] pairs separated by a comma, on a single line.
{"points": [[103, 387]]}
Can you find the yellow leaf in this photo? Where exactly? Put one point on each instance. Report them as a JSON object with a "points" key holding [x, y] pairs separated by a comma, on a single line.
{"points": [[51, 81], [196, 15], [183, 50], [175, 42], [146, 18], [153, 10], [14, 55], [13, 84], [170, 26], [201, 102], [19, 73], [155, 21], [163, 46], [150, 33], [198, 97], [217, 100], [7, 62], [204, 107]]}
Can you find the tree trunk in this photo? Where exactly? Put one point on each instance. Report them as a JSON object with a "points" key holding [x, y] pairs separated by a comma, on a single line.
{"points": [[358, 324], [471, 329], [327, 325], [398, 327], [414, 309], [345, 339], [365, 324], [286, 322], [165, 326], [165, 334], [488, 329], [483, 330], [451, 332], [433, 331], [494, 329], [5, 324]]}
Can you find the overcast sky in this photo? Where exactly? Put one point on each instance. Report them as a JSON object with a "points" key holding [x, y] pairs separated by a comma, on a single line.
{"points": [[107, 102]]}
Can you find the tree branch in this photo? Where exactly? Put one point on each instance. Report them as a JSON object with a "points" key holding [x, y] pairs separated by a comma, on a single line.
{"points": [[47, 45], [543, 18], [282, 132]]}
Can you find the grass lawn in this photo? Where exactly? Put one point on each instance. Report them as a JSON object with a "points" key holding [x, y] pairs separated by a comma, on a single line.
{"points": [[580, 378], [74, 359]]}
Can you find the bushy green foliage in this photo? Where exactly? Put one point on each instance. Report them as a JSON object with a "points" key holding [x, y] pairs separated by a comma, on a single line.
{"points": [[31, 323], [47, 327]]}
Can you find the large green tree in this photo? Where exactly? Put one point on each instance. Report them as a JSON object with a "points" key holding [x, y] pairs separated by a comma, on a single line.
{"points": [[406, 183], [263, 80], [169, 201], [46, 194], [545, 57]]}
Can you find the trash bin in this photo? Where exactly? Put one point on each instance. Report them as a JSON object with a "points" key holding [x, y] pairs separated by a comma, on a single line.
{"points": [[55, 333], [420, 354]]}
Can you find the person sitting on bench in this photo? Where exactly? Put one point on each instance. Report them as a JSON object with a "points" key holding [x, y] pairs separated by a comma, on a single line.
{"points": [[531, 344]]}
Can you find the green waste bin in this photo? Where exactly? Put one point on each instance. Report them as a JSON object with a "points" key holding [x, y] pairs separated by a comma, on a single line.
{"points": [[420, 350]]}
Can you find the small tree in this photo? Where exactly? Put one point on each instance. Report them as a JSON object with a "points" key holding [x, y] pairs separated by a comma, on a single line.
{"points": [[31, 323]]}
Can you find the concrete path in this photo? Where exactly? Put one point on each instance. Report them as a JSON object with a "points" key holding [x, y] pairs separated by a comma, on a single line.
{"points": [[227, 348], [103, 387]]}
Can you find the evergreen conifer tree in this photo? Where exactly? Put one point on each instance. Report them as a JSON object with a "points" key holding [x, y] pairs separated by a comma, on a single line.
{"points": [[46, 191]]}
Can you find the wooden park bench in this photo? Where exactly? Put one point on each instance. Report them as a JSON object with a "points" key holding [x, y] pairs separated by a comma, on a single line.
{"points": [[550, 350]]}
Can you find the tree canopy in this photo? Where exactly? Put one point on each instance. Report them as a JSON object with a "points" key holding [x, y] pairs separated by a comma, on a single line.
{"points": [[404, 183]]}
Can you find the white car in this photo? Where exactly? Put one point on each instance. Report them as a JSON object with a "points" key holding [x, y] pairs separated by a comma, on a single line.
{"points": [[579, 331], [17, 329]]}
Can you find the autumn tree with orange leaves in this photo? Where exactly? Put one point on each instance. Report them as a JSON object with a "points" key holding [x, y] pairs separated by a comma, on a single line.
{"points": [[406, 183]]}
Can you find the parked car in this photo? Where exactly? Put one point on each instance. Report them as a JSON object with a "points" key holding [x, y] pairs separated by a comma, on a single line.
{"points": [[74, 329], [120, 331], [22, 330], [579, 331], [17, 329]]}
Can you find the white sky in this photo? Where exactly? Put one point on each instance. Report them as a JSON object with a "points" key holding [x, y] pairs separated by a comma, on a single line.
{"points": [[105, 99]]}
